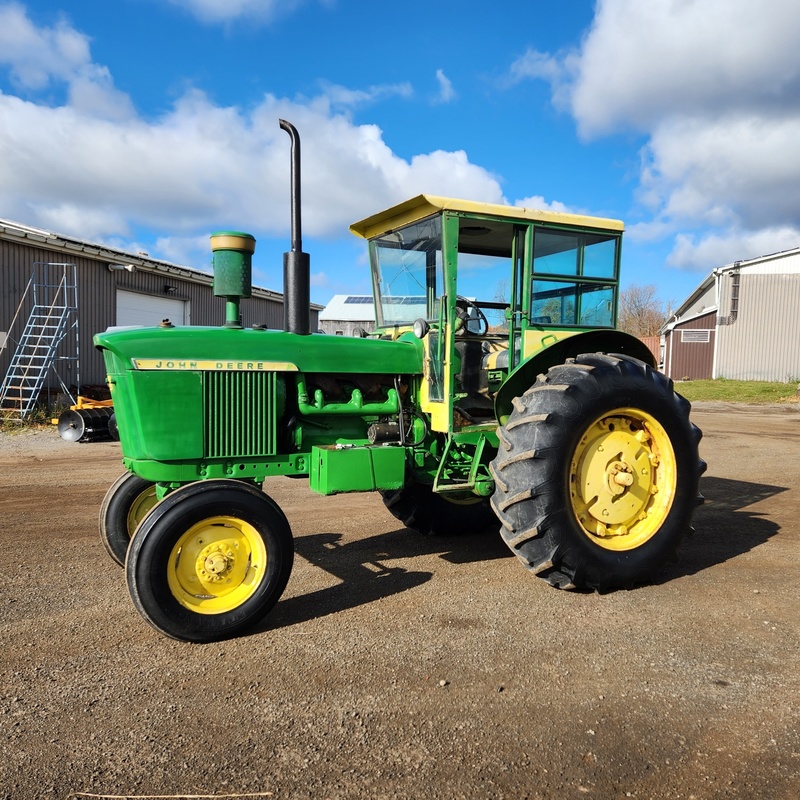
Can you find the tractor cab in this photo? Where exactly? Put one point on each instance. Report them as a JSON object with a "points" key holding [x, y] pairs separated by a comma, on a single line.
{"points": [[486, 288]]}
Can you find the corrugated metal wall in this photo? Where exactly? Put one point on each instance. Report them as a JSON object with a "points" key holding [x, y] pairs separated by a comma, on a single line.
{"points": [[653, 345], [689, 352], [347, 327], [95, 298], [761, 340], [97, 288]]}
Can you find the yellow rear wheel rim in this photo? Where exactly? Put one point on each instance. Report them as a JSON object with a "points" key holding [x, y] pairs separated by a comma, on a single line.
{"points": [[622, 479], [217, 565]]}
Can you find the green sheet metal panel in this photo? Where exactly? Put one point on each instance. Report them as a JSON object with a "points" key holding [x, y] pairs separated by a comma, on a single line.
{"points": [[336, 469], [230, 349]]}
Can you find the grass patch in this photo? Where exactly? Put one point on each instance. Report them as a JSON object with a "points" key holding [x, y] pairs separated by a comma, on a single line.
{"points": [[756, 392], [38, 419]]}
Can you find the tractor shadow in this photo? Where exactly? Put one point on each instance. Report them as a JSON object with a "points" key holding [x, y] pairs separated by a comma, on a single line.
{"points": [[724, 527], [365, 571]]}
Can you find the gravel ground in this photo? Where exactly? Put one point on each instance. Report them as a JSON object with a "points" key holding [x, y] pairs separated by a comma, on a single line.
{"points": [[397, 666]]}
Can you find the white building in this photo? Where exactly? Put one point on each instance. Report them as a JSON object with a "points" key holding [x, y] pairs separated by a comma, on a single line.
{"points": [[348, 315], [741, 323]]}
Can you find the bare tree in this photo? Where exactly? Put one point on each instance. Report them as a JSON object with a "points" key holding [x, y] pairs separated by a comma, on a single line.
{"points": [[497, 318], [641, 312]]}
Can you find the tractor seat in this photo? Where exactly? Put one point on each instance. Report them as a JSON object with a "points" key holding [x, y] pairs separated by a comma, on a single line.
{"points": [[495, 355]]}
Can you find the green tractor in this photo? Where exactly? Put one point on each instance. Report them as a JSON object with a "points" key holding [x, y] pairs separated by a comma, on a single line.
{"points": [[493, 392]]}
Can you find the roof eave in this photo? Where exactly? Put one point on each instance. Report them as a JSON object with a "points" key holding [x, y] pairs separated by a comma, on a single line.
{"points": [[39, 238]]}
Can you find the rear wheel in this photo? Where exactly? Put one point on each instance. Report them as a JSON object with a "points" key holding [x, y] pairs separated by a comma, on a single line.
{"points": [[419, 508], [210, 560], [127, 502], [597, 473]]}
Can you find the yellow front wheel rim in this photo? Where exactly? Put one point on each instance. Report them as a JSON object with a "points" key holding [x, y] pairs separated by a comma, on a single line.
{"points": [[217, 565], [622, 479], [141, 507]]}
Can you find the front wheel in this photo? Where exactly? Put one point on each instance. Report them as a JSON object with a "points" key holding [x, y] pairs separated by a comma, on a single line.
{"points": [[127, 502], [597, 473], [210, 560]]}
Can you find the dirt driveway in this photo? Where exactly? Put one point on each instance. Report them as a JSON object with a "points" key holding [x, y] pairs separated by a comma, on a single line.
{"points": [[397, 666]]}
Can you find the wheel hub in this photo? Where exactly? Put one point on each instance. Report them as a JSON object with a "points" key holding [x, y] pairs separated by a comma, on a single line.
{"points": [[616, 479], [215, 562], [614, 475]]}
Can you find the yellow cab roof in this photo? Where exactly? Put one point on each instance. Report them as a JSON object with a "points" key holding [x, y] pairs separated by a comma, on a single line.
{"points": [[425, 205]]}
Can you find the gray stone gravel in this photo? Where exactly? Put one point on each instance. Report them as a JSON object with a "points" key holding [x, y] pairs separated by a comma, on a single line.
{"points": [[397, 666]]}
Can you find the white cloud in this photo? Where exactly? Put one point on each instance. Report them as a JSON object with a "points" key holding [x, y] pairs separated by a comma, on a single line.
{"points": [[39, 58], [745, 163], [535, 64], [715, 86], [344, 98], [714, 250], [184, 250], [540, 204], [90, 223], [94, 168], [650, 231], [446, 91], [642, 63], [226, 10], [38, 55], [320, 280]]}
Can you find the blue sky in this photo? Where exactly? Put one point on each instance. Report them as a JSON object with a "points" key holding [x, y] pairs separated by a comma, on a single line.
{"points": [[147, 124]]}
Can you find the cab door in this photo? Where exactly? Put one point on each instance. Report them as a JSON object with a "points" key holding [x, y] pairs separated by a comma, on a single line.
{"points": [[481, 317]]}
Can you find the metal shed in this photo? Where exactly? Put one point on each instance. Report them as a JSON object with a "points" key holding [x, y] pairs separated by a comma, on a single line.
{"points": [[348, 314], [110, 287], [742, 323]]}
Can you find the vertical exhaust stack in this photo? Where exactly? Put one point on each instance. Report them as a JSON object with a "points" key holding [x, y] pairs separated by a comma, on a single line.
{"points": [[296, 263]]}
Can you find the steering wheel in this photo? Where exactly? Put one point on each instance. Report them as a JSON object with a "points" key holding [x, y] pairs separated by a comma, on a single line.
{"points": [[463, 308]]}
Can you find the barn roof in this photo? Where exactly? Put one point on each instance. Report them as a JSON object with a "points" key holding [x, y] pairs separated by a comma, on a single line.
{"points": [[69, 245], [349, 308]]}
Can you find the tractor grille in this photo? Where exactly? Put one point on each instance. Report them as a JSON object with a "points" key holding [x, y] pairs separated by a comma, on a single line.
{"points": [[239, 412]]}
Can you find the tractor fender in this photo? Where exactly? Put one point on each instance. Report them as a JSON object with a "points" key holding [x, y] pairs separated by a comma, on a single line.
{"points": [[524, 375]]}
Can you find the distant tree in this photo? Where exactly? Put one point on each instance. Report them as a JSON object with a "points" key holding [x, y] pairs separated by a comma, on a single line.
{"points": [[497, 318], [641, 313], [502, 291]]}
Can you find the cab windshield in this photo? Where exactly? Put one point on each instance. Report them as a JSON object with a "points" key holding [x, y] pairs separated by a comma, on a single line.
{"points": [[407, 273], [572, 274]]}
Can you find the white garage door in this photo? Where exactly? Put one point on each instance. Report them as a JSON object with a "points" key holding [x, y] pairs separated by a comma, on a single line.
{"points": [[144, 309]]}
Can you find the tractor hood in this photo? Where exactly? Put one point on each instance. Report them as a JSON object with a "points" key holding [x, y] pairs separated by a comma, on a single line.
{"points": [[208, 348]]}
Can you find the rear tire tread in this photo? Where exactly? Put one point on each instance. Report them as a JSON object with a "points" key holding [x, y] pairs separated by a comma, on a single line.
{"points": [[533, 501]]}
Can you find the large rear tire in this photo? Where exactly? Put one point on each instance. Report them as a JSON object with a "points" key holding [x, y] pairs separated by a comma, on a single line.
{"points": [[420, 509], [210, 560], [597, 473], [127, 502]]}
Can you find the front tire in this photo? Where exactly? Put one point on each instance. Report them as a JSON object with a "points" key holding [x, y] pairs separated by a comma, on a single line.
{"points": [[210, 560], [127, 502], [597, 473]]}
